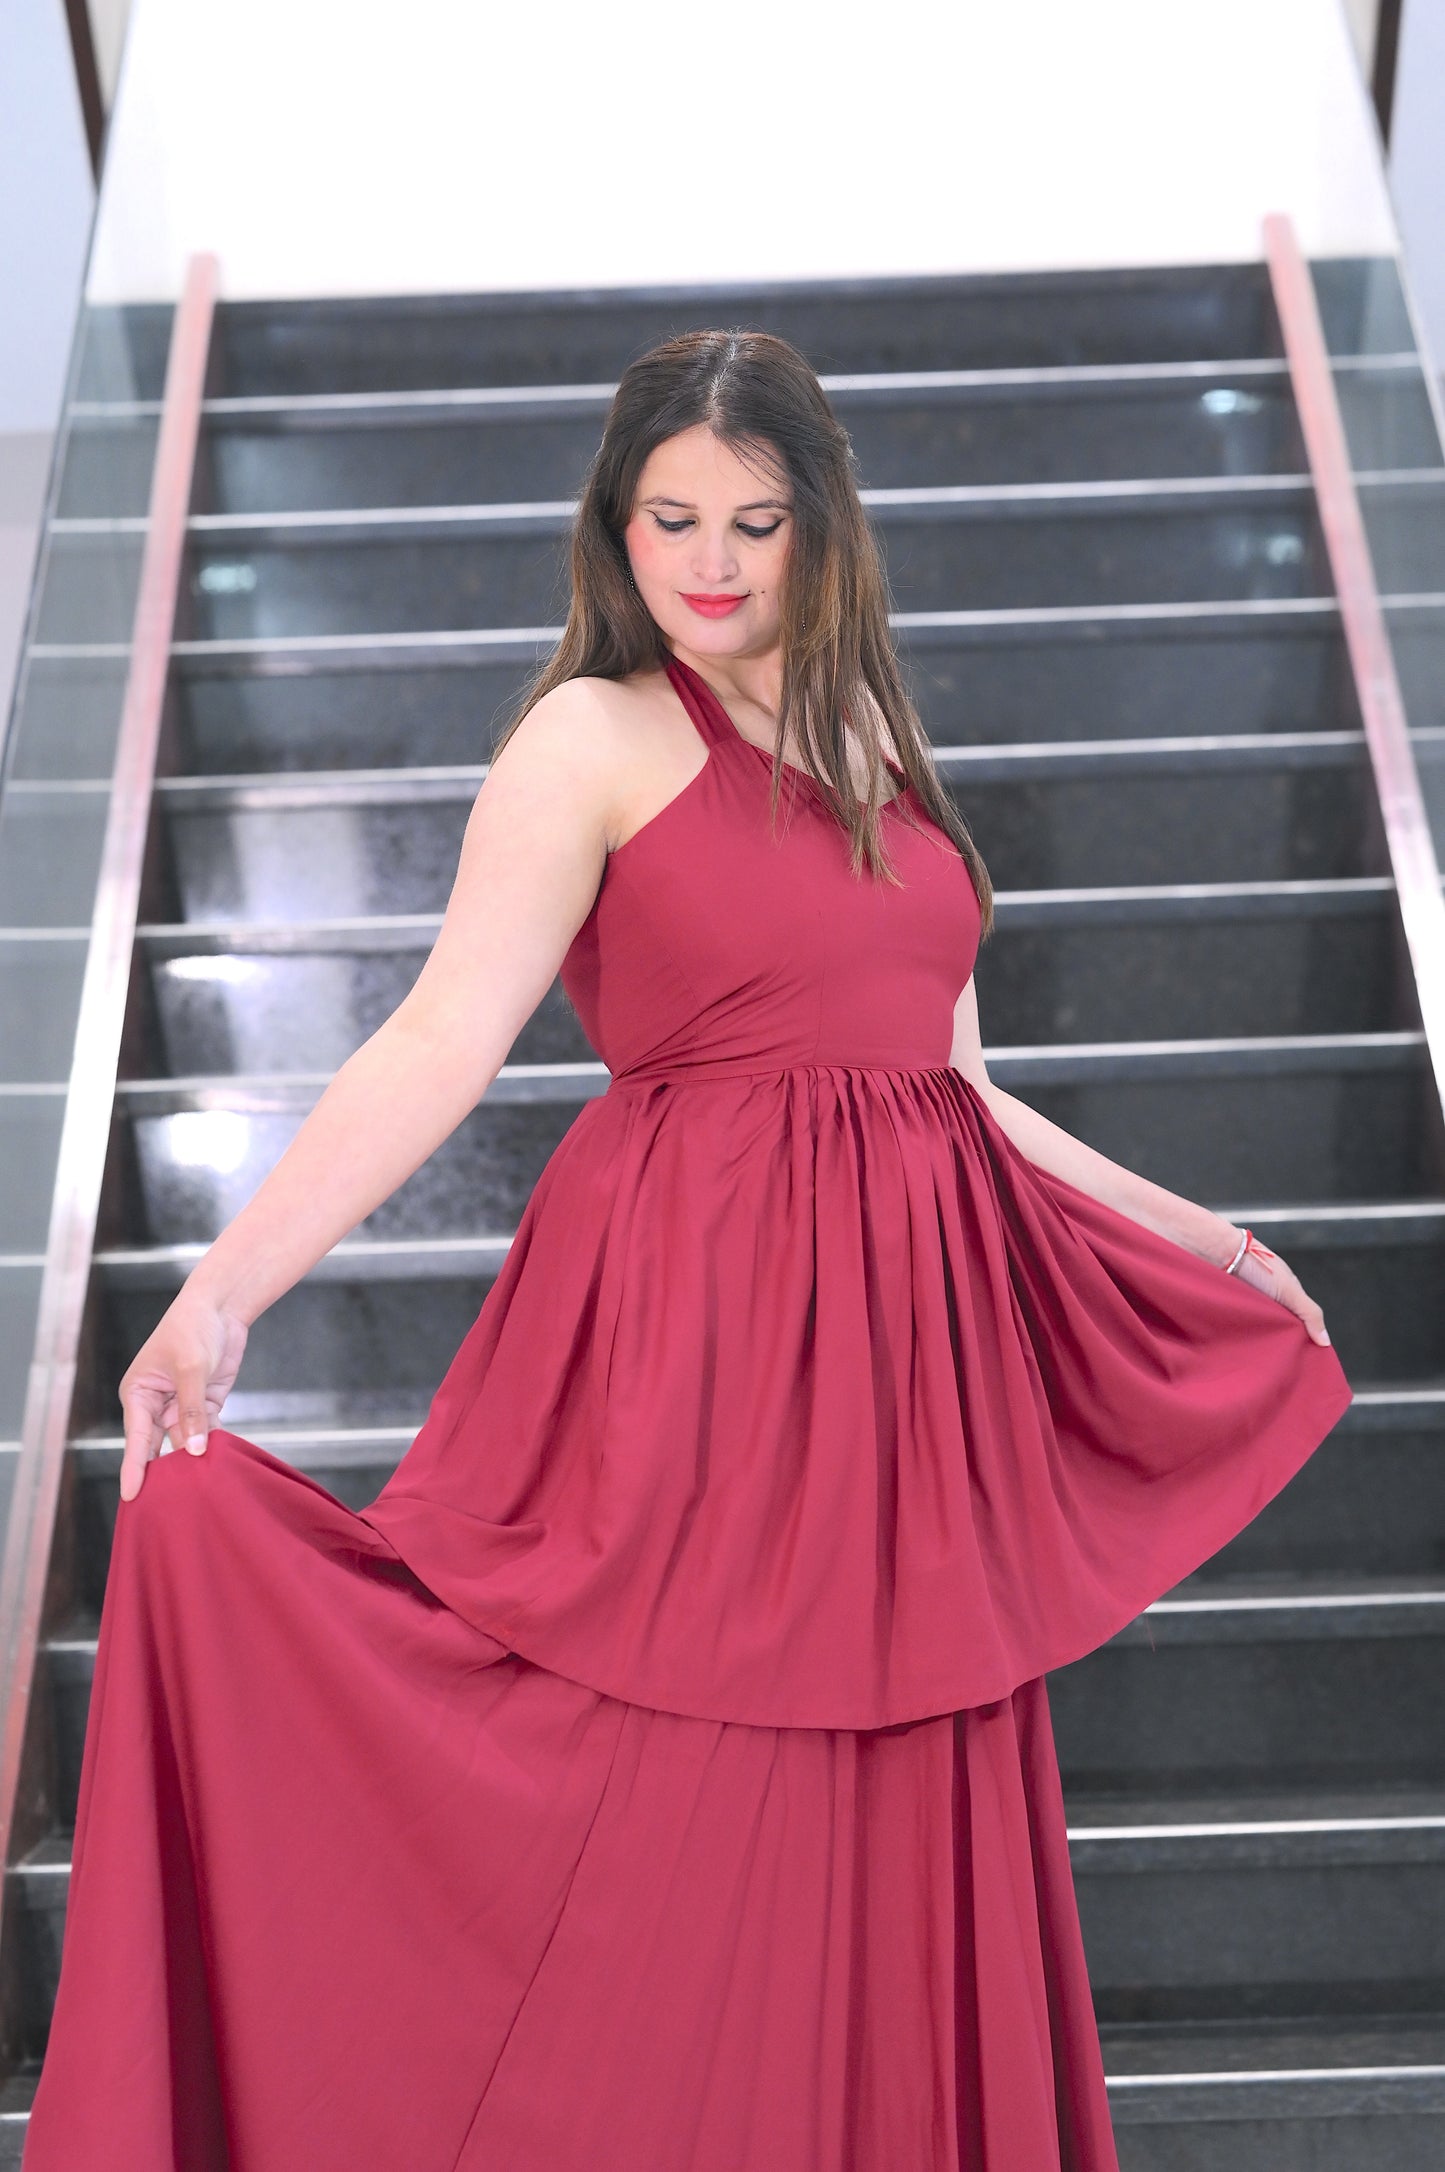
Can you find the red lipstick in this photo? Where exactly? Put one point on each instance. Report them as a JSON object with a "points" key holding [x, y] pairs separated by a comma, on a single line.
{"points": [[714, 606]]}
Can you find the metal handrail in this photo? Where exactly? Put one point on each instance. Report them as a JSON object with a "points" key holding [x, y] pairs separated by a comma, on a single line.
{"points": [[90, 1095], [1409, 841]]}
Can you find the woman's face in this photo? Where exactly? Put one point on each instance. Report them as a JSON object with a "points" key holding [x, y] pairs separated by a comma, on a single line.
{"points": [[708, 542]]}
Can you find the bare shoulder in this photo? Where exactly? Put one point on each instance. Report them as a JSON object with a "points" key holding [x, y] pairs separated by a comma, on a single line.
{"points": [[590, 721], [598, 744]]}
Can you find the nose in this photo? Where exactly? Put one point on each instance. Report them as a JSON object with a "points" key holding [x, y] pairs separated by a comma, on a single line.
{"points": [[714, 557]]}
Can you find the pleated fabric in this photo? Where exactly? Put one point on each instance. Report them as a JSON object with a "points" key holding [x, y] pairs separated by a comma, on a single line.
{"points": [[805, 1398], [357, 1889]]}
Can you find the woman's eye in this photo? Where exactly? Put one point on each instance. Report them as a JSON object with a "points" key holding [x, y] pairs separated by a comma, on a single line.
{"points": [[756, 535]]}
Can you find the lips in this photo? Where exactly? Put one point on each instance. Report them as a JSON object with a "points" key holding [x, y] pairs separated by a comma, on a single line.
{"points": [[715, 606]]}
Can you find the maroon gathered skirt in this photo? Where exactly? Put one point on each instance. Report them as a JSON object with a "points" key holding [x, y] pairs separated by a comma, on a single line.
{"points": [[358, 1889]]}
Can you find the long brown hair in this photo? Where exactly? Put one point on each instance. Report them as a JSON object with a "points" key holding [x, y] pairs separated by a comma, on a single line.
{"points": [[759, 396]]}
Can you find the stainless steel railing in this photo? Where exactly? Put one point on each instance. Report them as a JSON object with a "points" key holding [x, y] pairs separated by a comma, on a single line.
{"points": [[1408, 838], [95, 1061]]}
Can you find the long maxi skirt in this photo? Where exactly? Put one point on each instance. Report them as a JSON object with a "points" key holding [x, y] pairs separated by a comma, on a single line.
{"points": [[358, 1889]]}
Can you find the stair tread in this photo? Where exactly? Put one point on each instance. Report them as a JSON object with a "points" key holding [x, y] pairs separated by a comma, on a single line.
{"points": [[1396, 1603], [359, 1441], [17, 2092], [1116, 902], [424, 402], [316, 1443], [1090, 1812], [1365, 1217], [1143, 495], [1251, 750], [982, 625], [1304, 1587], [1090, 1816], [1323, 2043]]}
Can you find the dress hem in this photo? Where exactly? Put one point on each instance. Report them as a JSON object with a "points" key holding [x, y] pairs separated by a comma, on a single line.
{"points": [[1305, 1427]]}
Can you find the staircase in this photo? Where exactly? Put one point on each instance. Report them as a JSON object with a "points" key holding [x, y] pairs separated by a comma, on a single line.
{"points": [[1116, 608]]}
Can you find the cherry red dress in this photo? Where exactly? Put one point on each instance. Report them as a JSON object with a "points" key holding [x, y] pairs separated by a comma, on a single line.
{"points": [[657, 1775]]}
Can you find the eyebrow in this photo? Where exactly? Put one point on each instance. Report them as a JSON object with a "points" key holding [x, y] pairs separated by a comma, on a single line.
{"points": [[758, 505]]}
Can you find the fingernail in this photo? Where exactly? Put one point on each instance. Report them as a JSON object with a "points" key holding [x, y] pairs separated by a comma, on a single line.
{"points": [[1324, 1334], [196, 1444]]}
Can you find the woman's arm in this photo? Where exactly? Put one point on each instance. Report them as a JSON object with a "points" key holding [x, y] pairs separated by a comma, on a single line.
{"points": [[531, 861], [1200, 1230]]}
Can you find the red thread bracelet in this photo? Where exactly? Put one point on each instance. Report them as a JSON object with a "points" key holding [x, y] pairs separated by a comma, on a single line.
{"points": [[1248, 1243]]}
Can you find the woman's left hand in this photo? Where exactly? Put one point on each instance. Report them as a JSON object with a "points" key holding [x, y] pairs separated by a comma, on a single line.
{"points": [[1268, 1272]]}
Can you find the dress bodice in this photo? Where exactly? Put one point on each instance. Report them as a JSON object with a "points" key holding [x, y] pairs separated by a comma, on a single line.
{"points": [[715, 941]]}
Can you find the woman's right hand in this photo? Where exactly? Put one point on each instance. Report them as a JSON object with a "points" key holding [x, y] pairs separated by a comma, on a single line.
{"points": [[177, 1382], [534, 852]]}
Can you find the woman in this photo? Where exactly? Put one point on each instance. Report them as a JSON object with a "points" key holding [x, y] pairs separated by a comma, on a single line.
{"points": [[657, 1775]]}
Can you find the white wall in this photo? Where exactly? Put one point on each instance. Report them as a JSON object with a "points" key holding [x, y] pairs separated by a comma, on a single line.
{"points": [[333, 146], [46, 202], [1417, 162]]}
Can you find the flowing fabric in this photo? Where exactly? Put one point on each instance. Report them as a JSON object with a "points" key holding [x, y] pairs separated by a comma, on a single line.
{"points": [[357, 1888], [657, 1775]]}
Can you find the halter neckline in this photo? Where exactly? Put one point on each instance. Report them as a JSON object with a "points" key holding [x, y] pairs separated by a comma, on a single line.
{"points": [[720, 727]]}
